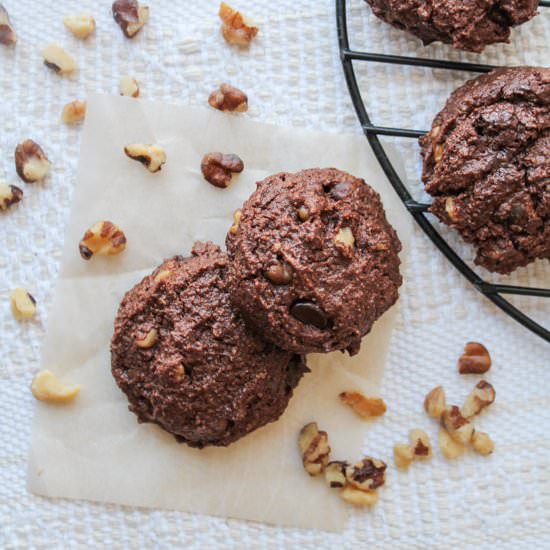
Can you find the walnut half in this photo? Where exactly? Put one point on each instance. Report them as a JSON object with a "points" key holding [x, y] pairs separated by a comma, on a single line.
{"points": [[219, 168]]}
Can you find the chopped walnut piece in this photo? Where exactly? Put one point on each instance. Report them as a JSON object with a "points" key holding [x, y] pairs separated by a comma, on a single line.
{"points": [[218, 168], [162, 275], [74, 112], [23, 304], [104, 239], [475, 359], [128, 87], [480, 397], [482, 443], [367, 474], [149, 340], [435, 402], [57, 59], [279, 274], [420, 444], [366, 407], [315, 449], [438, 152], [403, 455], [31, 162], [236, 221], [236, 29], [345, 237], [451, 209], [152, 157], [7, 32], [9, 195], [228, 98], [458, 427], [81, 26], [448, 446], [335, 474], [130, 16], [303, 213], [358, 497], [46, 387]]}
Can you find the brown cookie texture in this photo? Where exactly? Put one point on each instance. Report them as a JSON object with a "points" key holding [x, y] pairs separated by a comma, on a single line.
{"points": [[487, 166], [203, 375], [466, 24], [314, 262]]}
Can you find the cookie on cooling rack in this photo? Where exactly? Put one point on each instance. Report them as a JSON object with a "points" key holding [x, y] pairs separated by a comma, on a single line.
{"points": [[487, 166], [314, 262], [466, 24], [186, 361]]}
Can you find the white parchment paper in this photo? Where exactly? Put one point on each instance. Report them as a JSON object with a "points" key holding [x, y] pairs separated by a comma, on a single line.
{"points": [[93, 448]]}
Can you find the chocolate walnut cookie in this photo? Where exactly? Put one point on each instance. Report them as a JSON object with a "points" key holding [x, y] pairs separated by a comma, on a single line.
{"points": [[466, 24], [487, 165], [186, 361], [314, 260]]}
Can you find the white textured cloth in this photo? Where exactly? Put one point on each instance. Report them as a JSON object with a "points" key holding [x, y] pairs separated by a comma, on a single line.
{"points": [[293, 76]]}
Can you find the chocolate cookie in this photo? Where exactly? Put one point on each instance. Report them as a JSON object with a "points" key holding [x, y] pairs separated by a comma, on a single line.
{"points": [[314, 260], [186, 361], [487, 165], [466, 24]]}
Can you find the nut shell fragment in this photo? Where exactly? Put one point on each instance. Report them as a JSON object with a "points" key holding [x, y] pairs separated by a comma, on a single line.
{"points": [[228, 98], [46, 387], [365, 407], [57, 59], [236, 29], [130, 16], [23, 304], [104, 239], [9, 195], [31, 162], [152, 157], [81, 26]]}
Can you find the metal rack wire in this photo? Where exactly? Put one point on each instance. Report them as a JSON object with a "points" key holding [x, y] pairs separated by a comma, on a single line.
{"points": [[418, 210]]}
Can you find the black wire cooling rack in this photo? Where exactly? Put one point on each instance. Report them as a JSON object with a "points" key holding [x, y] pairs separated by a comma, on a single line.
{"points": [[418, 210]]}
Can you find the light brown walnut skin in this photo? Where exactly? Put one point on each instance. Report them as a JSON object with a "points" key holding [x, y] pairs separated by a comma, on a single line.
{"points": [[25, 152], [475, 359], [235, 27], [228, 98], [435, 402], [130, 16], [8, 36], [9, 195], [365, 407], [103, 238]]}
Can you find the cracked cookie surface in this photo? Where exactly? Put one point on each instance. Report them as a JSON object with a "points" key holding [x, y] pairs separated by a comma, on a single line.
{"points": [[487, 166], [186, 361], [466, 24], [314, 261]]}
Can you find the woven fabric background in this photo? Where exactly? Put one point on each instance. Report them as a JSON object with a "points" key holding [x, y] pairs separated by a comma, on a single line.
{"points": [[293, 76]]}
